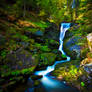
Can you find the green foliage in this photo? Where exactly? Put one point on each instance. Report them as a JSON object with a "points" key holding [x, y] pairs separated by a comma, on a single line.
{"points": [[40, 24], [37, 45], [17, 72], [42, 48], [63, 56], [84, 52], [20, 36], [3, 54], [47, 58], [89, 54], [82, 84], [33, 30]]}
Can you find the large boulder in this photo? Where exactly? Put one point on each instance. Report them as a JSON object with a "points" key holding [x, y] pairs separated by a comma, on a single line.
{"points": [[20, 60], [72, 48], [87, 65], [89, 38]]}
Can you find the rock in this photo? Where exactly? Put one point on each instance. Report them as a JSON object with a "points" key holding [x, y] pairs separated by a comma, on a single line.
{"points": [[39, 33], [87, 65], [89, 38], [73, 50], [86, 61], [47, 59], [21, 59], [37, 36], [88, 68]]}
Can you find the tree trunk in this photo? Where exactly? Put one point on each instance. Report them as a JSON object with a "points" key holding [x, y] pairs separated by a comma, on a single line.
{"points": [[24, 12]]}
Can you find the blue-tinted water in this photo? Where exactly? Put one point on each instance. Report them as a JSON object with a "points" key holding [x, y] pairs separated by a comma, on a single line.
{"points": [[50, 84]]}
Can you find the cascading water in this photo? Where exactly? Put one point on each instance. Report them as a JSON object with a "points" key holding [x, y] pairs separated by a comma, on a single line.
{"points": [[63, 29], [48, 82]]}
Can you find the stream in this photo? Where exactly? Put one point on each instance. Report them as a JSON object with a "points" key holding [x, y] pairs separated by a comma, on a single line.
{"points": [[48, 82]]}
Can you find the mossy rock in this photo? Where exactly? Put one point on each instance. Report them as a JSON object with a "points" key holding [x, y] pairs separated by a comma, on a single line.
{"points": [[21, 62], [47, 58]]}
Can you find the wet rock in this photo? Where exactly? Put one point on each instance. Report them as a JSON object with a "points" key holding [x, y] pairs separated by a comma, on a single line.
{"points": [[89, 38], [73, 50]]}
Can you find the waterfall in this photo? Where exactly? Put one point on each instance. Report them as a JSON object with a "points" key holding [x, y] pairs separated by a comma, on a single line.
{"points": [[63, 29]]}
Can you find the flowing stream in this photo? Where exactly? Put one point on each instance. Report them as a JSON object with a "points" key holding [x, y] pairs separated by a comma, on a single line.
{"points": [[49, 82], [63, 29]]}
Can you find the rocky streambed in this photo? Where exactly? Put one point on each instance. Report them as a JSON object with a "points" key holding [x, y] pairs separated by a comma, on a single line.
{"points": [[34, 55]]}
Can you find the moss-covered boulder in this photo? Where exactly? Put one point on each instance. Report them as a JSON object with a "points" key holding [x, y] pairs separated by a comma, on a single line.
{"points": [[20, 62], [47, 59]]}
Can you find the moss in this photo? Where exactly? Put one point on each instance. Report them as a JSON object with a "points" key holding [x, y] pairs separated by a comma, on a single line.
{"points": [[89, 55], [42, 48], [28, 29], [18, 72], [47, 58], [3, 53], [84, 52], [82, 84], [69, 73]]}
